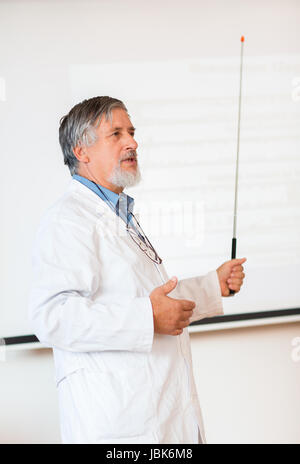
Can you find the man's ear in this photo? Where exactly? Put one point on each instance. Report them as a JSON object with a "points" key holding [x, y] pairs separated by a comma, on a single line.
{"points": [[80, 153]]}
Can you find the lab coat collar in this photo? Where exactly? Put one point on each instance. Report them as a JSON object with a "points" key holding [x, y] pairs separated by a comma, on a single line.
{"points": [[122, 203], [101, 208]]}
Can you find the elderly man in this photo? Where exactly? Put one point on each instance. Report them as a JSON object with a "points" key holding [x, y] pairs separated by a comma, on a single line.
{"points": [[102, 300]]}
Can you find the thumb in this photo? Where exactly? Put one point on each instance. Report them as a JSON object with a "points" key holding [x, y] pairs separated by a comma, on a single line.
{"points": [[238, 261], [170, 285]]}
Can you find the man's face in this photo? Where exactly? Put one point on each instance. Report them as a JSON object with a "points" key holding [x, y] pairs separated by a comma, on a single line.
{"points": [[113, 155]]}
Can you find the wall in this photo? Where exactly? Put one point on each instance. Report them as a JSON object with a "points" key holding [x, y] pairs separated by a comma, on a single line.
{"points": [[247, 380], [248, 383]]}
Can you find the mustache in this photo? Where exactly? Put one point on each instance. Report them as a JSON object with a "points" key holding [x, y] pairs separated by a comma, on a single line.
{"points": [[130, 155]]}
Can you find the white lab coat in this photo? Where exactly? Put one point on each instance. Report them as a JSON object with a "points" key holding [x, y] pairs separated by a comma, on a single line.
{"points": [[117, 380]]}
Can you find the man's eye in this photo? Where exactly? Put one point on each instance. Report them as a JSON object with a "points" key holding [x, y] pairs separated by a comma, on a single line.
{"points": [[116, 133]]}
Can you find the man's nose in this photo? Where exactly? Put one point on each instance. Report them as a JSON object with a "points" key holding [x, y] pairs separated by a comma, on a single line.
{"points": [[131, 142]]}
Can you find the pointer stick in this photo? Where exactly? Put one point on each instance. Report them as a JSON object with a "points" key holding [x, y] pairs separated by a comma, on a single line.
{"points": [[233, 247]]}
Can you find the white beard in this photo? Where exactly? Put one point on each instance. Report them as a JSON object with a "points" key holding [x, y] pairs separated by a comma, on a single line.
{"points": [[123, 179]]}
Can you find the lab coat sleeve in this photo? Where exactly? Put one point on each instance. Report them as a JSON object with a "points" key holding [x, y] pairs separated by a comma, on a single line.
{"points": [[62, 309], [205, 291]]}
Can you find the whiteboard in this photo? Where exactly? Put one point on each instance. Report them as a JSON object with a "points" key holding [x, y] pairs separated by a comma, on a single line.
{"points": [[186, 118], [184, 105]]}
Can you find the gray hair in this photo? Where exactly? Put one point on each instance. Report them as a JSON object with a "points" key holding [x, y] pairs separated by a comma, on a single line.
{"points": [[78, 126]]}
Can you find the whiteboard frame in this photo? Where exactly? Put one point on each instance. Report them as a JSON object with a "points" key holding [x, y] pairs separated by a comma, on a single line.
{"points": [[226, 322]]}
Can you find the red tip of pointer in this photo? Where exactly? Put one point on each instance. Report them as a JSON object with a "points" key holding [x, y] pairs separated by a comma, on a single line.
{"points": [[242, 38]]}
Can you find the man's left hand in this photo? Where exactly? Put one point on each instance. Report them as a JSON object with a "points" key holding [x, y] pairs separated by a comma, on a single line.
{"points": [[231, 276]]}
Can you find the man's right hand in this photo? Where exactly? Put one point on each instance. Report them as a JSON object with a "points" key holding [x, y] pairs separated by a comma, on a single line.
{"points": [[170, 315]]}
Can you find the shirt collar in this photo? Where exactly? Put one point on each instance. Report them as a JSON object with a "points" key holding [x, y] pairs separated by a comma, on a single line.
{"points": [[122, 202]]}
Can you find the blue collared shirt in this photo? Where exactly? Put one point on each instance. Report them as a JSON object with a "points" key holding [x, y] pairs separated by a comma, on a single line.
{"points": [[122, 203]]}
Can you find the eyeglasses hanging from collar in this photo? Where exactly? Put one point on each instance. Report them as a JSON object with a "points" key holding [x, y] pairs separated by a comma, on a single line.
{"points": [[139, 237], [136, 233]]}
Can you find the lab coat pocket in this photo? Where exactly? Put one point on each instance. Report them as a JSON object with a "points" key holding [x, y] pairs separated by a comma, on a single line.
{"points": [[115, 403]]}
